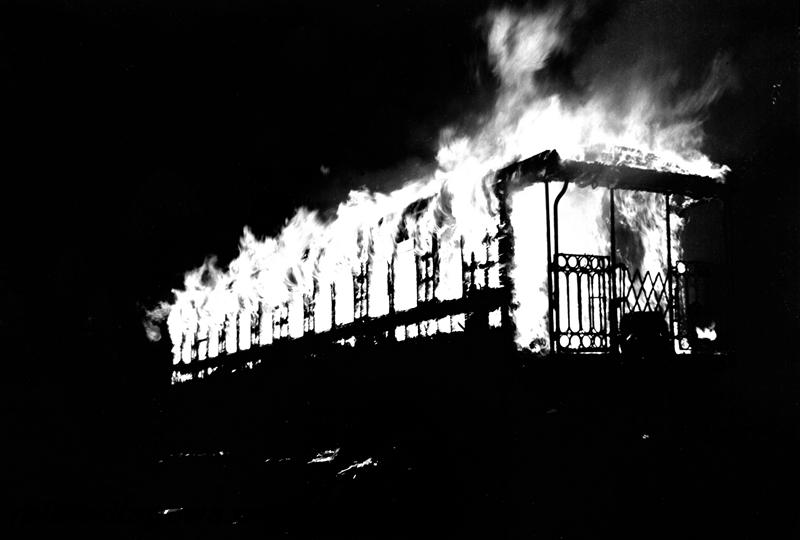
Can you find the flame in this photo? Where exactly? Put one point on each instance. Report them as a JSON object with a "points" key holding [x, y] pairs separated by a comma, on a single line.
{"points": [[635, 126], [708, 333]]}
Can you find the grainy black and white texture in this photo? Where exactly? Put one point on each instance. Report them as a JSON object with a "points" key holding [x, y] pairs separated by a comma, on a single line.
{"points": [[140, 137]]}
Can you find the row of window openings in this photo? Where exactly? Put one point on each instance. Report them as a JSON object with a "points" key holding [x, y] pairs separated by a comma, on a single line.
{"points": [[407, 285]]}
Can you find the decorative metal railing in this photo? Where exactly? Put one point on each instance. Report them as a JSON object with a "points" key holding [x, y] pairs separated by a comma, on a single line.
{"points": [[591, 297], [582, 287]]}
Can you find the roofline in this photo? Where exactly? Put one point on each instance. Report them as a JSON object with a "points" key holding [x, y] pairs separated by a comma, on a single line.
{"points": [[548, 166]]}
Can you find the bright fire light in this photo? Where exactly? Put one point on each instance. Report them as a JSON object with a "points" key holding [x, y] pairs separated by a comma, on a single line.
{"points": [[263, 290]]}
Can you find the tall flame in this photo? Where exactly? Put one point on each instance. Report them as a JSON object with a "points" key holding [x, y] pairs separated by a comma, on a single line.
{"points": [[634, 125]]}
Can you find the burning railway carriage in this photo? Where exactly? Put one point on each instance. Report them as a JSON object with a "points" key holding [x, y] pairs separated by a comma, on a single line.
{"points": [[575, 258]]}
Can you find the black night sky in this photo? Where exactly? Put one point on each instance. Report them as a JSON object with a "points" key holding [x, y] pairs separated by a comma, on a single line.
{"points": [[140, 137]]}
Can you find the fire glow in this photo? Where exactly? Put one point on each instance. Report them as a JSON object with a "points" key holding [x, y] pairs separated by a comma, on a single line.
{"points": [[264, 293]]}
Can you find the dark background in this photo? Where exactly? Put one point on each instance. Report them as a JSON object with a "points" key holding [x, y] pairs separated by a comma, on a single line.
{"points": [[140, 137]]}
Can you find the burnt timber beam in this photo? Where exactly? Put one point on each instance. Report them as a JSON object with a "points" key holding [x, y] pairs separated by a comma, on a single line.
{"points": [[480, 300], [548, 166]]}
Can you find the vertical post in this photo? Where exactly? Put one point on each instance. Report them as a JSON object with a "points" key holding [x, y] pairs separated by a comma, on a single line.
{"points": [[418, 261], [505, 251], [180, 347], [550, 293], [464, 287], [255, 326], [306, 313], [333, 305], [390, 283], [226, 325], [356, 291], [556, 285], [555, 216], [670, 316], [314, 292], [194, 353], [613, 270], [487, 244], [435, 264], [473, 266], [367, 278]]}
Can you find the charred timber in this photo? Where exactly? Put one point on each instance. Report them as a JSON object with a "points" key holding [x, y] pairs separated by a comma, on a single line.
{"points": [[548, 166], [479, 299], [366, 330]]}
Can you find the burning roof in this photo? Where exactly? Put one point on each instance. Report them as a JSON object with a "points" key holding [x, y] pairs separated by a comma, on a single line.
{"points": [[425, 233]]}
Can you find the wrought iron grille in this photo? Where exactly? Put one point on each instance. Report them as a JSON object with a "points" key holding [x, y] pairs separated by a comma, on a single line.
{"points": [[390, 277], [582, 290], [255, 325], [222, 335], [194, 345], [361, 291], [309, 309], [280, 321], [477, 274], [586, 297], [427, 263]]}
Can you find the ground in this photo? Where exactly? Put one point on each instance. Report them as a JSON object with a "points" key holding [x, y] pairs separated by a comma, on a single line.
{"points": [[443, 443]]}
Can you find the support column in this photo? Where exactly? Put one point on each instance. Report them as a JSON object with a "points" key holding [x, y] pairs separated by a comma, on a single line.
{"points": [[613, 322]]}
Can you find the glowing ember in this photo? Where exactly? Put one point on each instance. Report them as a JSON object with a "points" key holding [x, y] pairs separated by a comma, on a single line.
{"points": [[264, 293], [709, 333]]}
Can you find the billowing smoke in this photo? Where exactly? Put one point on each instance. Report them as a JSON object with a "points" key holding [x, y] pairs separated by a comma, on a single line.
{"points": [[550, 95], [639, 114]]}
